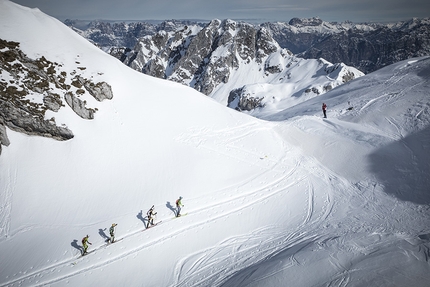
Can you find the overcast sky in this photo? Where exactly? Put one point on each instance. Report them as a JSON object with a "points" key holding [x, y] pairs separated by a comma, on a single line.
{"points": [[260, 10]]}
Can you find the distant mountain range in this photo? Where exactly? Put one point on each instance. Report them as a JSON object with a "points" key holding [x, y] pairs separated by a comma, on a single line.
{"points": [[365, 46], [219, 58]]}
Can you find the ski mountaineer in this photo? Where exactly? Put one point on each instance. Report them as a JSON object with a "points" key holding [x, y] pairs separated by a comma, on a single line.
{"points": [[112, 232], [85, 243], [324, 109], [178, 206], [150, 214]]}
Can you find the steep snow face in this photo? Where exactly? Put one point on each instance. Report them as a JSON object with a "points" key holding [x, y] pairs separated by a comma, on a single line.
{"points": [[300, 201]]}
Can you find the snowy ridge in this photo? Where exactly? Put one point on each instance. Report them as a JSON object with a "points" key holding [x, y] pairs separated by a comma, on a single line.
{"points": [[292, 200]]}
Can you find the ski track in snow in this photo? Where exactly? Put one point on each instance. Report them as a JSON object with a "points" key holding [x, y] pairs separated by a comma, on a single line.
{"points": [[278, 240], [242, 251], [6, 207], [65, 264], [259, 194], [264, 243], [225, 142]]}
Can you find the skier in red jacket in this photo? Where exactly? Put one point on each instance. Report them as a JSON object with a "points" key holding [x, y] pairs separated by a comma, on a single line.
{"points": [[324, 109]]}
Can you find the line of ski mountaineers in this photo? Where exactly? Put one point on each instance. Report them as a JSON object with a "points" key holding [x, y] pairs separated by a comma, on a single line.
{"points": [[150, 221], [150, 214]]}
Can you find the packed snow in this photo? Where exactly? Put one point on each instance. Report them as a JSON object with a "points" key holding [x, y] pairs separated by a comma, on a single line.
{"points": [[291, 199]]}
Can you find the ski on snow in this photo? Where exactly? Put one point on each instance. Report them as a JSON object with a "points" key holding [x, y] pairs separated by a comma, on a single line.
{"points": [[109, 243], [97, 248], [180, 215], [155, 224]]}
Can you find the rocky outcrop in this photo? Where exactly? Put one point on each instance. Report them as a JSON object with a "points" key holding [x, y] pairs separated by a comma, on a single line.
{"points": [[244, 101], [21, 120], [27, 92], [78, 106], [100, 91], [4, 140]]}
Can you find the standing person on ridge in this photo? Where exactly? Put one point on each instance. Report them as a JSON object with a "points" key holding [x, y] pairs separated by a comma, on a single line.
{"points": [[150, 214], [112, 232], [178, 206], [85, 243], [324, 109]]}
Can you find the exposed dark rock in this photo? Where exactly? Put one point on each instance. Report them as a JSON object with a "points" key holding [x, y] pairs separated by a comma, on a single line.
{"points": [[20, 120], [4, 140], [52, 101], [244, 101], [28, 94], [100, 91], [78, 106]]}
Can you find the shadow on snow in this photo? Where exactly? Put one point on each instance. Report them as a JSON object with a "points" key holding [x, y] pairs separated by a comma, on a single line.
{"points": [[404, 167]]}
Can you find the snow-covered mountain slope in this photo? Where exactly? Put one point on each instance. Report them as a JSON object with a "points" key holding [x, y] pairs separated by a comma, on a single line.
{"points": [[224, 56], [296, 81], [302, 201]]}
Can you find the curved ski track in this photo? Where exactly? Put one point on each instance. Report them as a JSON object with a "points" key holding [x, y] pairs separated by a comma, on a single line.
{"points": [[240, 252], [278, 240]]}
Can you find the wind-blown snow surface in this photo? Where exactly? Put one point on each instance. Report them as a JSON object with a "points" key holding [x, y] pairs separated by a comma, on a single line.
{"points": [[300, 201]]}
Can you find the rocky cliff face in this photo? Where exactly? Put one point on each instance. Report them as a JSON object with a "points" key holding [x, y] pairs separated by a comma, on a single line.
{"points": [[31, 87], [368, 46], [107, 35], [203, 58], [113, 37]]}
